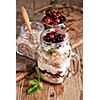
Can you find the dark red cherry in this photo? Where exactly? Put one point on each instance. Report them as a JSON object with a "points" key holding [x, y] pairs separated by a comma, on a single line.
{"points": [[47, 20], [54, 23], [57, 20], [47, 12], [59, 14], [51, 36], [54, 13], [63, 36]]}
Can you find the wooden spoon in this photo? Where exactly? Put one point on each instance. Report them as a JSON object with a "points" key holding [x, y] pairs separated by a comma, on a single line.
{"points": [[26, 19]]}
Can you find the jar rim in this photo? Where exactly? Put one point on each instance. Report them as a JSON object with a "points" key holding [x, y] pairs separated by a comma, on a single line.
{"points": [[41, 36], [35, 22]]}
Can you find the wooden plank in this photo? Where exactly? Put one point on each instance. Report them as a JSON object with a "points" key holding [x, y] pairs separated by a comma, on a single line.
{"points": [[79, 76], [71, 88]]}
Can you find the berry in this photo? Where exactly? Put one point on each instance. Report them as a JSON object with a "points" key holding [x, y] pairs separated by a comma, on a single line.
{"points": [[51, 36], [63, 36], [59, 35], [59, 14], [47, 20], [60, 40], [54, 13], [53, 40], [47, 39], [55, 34], [53, 17], [62, 19], [47, 35], [57, 20], [47, 12], [54, 23]]}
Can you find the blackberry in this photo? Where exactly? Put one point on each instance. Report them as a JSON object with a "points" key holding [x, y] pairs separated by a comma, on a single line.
{"points": [[54, 17], [59, 40], [48, 39], [54, 40], [62, 19], [55, 34], [47, 35], [59, 35]]}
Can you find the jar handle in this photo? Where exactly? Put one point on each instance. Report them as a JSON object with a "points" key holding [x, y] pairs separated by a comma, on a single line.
{"points": [[75, 59]]}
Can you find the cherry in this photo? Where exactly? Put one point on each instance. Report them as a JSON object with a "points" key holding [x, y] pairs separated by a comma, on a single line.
{"points": [[54, 23], [53, 17], [47, 20], [55, 34], [59, 14], [51, 36], [54, 13], [63, 36], [47, 12], [57, 20]]}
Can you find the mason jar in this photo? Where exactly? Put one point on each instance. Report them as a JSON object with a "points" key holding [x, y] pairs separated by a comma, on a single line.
{"points": [[27, 42], [54, 58]]}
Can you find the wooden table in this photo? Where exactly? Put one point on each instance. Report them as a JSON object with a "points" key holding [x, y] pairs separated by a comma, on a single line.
{"points": [[71, 88]]}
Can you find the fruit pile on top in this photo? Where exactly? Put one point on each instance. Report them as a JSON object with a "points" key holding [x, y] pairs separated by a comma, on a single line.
{"points": [[54, 37], [53, 17]]}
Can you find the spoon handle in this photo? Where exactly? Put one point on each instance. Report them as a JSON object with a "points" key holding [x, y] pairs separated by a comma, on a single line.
{"points": [[26, 19]]}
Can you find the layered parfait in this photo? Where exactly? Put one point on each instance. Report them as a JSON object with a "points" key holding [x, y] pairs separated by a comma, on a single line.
{"points": [[54, 55], [27, 42]]}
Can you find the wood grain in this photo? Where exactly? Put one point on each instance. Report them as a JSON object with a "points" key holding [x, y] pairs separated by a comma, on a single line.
{"points": [[71, 88]]}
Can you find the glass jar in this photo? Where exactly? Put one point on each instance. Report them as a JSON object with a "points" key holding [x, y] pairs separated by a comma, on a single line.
{"points": [[54, 58], [27, 42]]}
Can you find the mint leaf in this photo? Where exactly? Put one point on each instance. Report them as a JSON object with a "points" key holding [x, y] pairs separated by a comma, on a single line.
{"points": [[32, 89], [35, 84], [39, 87]]}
